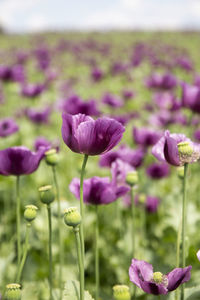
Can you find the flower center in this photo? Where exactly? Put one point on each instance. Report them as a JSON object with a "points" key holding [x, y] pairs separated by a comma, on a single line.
{"points": [[157, 277], [184, 148]]}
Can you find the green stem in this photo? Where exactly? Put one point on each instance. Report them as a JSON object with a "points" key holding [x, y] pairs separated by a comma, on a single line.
{"points": [[20, 269], [18, 214], [80, 262], [184, 208], [97, 254], [82, 207], [133, 221], [59, 229], [178, 255], [50, 251]]}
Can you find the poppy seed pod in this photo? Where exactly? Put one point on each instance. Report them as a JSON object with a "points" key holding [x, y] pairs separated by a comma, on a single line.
{"points": [[121, 292], [13, 291], [46, 194], [132, 178], [30, 212], [72, 217], [51, 157]]}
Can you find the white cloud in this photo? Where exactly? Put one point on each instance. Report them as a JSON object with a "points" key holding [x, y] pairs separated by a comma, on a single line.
{"points": [[195, 7], [37, 22]]}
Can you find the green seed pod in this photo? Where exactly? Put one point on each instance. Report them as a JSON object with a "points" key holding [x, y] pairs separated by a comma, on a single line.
{"points": [[180, 172], [132, 178], [51, 157], [46, 194], [72, 217], [121, 292], [13, 291], [30, 212]]}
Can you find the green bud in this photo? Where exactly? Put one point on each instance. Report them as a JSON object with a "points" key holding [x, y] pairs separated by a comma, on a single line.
{"points": [[72, 217], [121, 292], [46, 194], [13, 291], [180, 172], [132, 178], [142, 198], [51, 157], [30, 212]]}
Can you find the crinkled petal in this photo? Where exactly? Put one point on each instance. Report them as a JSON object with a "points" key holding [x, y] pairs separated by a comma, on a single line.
{"points": [[153, 288], [140, 270], [177, 277]]}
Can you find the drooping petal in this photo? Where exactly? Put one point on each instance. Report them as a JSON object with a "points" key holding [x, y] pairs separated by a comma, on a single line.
{"points": [[177, 277], [140, 270], [153, 288], [171, 151]]}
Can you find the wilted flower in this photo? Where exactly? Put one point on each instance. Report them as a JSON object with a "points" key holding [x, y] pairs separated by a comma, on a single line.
{"points": [[97, 190], [7, 127], [176, 149], [84, 135], [158, 170], [141, 274], [19, 160], [145, 137]]}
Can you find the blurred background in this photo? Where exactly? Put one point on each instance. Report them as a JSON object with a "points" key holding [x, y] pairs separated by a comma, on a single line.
{"points": [[41, 15]]}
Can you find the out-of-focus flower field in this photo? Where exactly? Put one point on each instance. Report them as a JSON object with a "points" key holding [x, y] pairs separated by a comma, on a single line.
{"points": [[148, 82]]}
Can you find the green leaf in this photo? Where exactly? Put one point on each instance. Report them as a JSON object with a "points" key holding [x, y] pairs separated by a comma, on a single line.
{"points": [[72, 290], [192, 293]]}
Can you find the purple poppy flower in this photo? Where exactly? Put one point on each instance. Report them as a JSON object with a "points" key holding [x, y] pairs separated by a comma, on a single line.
{"points": [[145, 137], [18, 73], [75, 105], [43, 57], [97, 74], [112, 100], [158, 170], [39, 117], [141, 274], [150, 203], [198, 254], [191, 97], [119, 171], [97, 190], [134, 157], [19, 160], [43, 142], [32, 90], [197, 80], [5, 73], [184, 63], [163, 82], [167, 100], [84, 135], [166, 149], [8, 127], [123, 119], [128, 94], [118, 68], [197, 135]]}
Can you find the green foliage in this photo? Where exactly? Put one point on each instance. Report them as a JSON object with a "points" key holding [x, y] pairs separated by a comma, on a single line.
{"points": [[72, 290]]}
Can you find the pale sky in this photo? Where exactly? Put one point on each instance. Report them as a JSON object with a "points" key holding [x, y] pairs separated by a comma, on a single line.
{"points": [[35, 15]]}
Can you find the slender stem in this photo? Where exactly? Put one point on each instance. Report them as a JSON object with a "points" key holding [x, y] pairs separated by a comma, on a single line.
{"points": [[50, 250], [59, 229], [80, 262], [184, 208], [178, 242], [133, 221], [97, 254], [82, 207], [18, 213], [20, 269]]}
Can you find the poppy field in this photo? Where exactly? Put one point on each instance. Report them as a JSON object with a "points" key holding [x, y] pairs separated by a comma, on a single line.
{"points": [[99, 166]]}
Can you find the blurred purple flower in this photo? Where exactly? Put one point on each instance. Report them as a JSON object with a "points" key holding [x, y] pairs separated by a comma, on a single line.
{"points": [[84, 135], [19, 160], [128, 94], [39, 117], [141, 274], [166, 100], [184, 63], [134, 157], [97, 74], [97, 190], [7, 127], [166, 149], [145, 137], [43, 142], [164, 82], [32, 90], [43, 57], [198, 254], [150, 203], [75, 105], [119, 171], [158, 170], [197, 135], [191, 97], [112, 100]]}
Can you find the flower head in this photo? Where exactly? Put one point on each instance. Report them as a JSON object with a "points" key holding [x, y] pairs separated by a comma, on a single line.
{"points": [[176, 149], [145, 136], [84, 135], [8, 127], [158, 170], [19, 160], [141, 274]]}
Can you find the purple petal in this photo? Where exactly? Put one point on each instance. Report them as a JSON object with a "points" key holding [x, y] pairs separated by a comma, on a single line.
{"points": [[198, 255], [140, 270], [153, 288], [177, 277], [171, 151]]}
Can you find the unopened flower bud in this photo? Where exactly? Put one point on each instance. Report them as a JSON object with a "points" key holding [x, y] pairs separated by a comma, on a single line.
{"points": [[46, 194], [30, 212], [72, 217], [13, 291], [51, 157], [180, 172], [121, 292], [142, 198], [132, 178]]}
